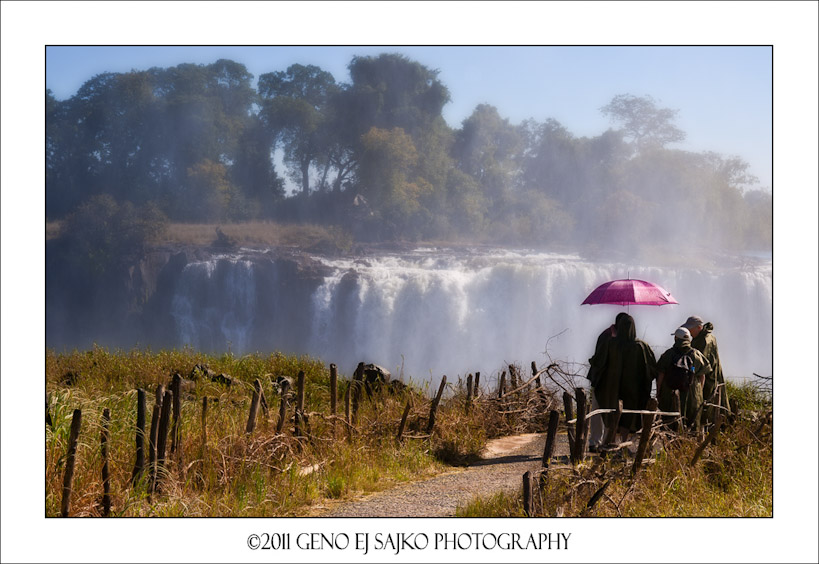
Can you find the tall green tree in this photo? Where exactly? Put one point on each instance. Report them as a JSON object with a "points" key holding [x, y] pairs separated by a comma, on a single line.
{"points": [[392, 93], [391, 90], [488, 148], [294, 107], [644, 123]]}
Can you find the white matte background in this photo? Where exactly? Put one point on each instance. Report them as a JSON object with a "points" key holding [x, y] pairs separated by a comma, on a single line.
{"points": [[790, 26]]}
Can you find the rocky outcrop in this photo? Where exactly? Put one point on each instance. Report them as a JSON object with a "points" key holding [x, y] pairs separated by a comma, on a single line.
{"points": [[133, 304]]}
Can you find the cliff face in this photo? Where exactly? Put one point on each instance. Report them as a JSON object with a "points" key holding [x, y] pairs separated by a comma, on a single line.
{"points": [[133, 303]]}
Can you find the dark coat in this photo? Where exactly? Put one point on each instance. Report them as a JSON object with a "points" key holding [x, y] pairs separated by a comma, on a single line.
{"points": [[629, 371]]}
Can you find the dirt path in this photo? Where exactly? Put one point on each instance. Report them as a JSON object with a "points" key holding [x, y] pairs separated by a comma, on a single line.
{"points": [[501, 468]]}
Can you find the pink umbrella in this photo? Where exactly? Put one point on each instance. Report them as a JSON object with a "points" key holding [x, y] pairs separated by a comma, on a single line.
{"points": [[630, 292]]}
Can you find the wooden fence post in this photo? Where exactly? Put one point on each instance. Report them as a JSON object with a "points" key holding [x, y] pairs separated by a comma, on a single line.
{"points": [[68, 477], [551, 435], [528, 498], [204, 430], [400, 436], [299, 427], [162, 436], [468, 394], [106, 479], [568, 411], [679, 424], [153, 439], [358, 384], [176, 390], [580, 427], [502, 385], [333, 394], [645, 435], [139, 465], [513, 377], [285, 388], [434, 407], [48, 413], [347, 415], [263, 405], [254, 406], [477, 384], [614, 423], [711, 437]]}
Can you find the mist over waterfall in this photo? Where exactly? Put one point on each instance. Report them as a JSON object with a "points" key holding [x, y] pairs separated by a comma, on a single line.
{"points": [[431, 312]]}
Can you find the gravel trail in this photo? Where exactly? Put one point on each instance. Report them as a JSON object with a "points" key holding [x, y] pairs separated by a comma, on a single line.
{"points": [[500, 469]]}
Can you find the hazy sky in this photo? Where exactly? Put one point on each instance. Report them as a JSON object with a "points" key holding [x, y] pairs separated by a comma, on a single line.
{"points": [[723, 94]]}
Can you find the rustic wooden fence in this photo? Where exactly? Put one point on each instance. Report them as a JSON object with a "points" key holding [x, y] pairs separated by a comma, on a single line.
{"points": [[164, 437], [523, 397], [577, 434]]}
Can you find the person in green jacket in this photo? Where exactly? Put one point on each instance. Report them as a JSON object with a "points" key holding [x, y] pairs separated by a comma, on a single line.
{"points": [[702, 339], [690, 399], [629, 372]]}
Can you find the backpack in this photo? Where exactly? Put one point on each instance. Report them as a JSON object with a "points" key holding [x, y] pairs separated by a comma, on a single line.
{"points": [[681, 372]]}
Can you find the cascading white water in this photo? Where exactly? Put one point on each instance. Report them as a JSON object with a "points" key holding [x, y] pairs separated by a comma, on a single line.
{"points": [[215, 304], [436, 312]]}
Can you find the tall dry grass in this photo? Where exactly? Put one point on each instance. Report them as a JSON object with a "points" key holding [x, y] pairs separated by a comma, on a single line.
{"points": [[236, 474], [733, 478]]}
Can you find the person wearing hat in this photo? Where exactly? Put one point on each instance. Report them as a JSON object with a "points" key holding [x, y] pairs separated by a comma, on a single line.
{"points": [[691, 394], [702, 339]]}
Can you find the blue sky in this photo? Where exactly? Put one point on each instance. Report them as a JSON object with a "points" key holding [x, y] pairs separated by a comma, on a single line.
{"points": [[723, 94]]}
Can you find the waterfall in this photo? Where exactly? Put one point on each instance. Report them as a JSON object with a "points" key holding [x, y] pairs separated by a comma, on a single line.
{"points": [[215, 304], [434, 312]]}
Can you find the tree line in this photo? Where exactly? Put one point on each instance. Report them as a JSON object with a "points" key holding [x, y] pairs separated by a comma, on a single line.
{"points": [[195, 143]]}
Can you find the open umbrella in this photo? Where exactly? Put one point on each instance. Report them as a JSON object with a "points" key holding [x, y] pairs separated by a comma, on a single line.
{"points": [[630, 292]]}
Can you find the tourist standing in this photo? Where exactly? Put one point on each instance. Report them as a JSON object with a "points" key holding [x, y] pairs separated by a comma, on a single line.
{"points": [[682, 368]]}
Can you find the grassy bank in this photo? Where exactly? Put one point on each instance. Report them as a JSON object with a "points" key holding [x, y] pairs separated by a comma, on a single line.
{"points": [[234, 473]]}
